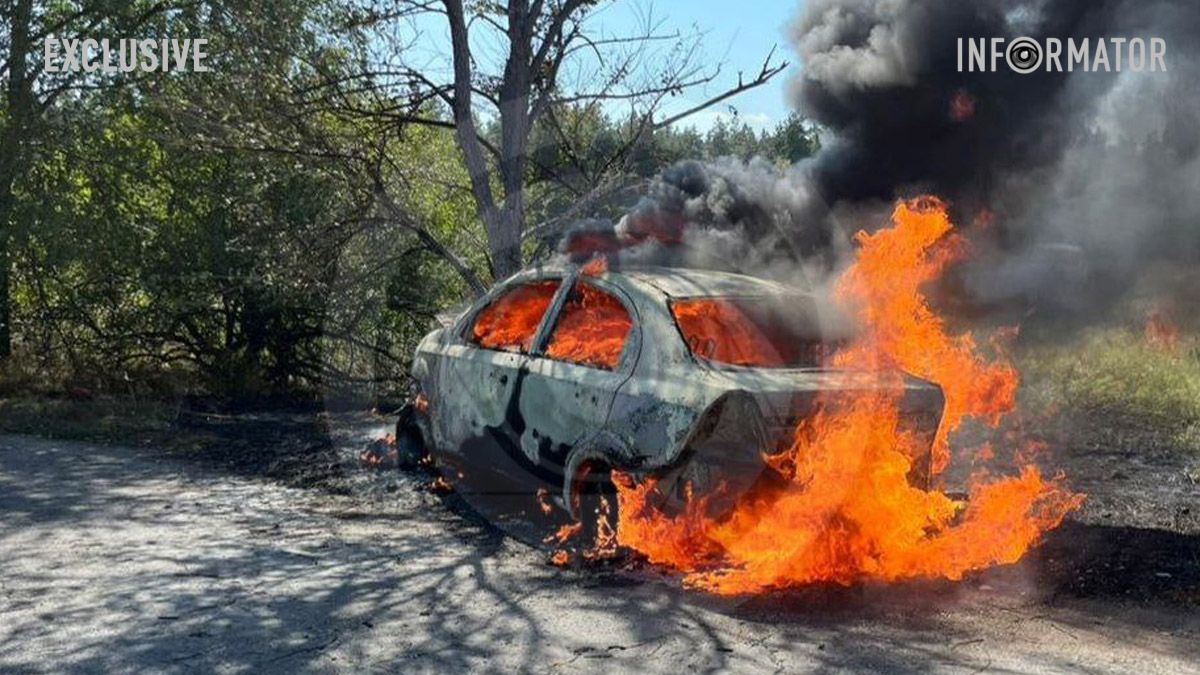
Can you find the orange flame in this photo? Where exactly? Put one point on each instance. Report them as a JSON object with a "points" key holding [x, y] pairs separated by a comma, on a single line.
{"points": [[379, 451], [564, 533], [717, 330], [511, 322], [1161, 331], [844, 510], [421, 403], [596, 267], [605, 545], [903, 333], [592, 329]]}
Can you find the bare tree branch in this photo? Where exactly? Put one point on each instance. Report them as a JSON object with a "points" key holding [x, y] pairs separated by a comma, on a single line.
{"points": [[765, 74], [401, 217]]}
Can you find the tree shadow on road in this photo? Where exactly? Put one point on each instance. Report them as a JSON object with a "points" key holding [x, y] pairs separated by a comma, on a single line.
{"points": [[115, 561], [118, 562]]}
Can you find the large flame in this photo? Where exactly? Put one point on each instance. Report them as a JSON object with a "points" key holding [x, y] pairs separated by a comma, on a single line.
{"points": [[716, 329], [900, 331], [592, 329], [511, 322], [1161, 331], [844, 509]]}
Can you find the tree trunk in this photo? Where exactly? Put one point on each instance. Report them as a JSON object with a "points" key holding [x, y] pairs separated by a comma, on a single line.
{"points": [[5, 265], [503, 222], [514, 137], [19, 103], [504, 240]]}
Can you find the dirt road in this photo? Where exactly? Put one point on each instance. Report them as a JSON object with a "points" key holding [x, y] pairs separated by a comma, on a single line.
{"points": [[112, 560]]}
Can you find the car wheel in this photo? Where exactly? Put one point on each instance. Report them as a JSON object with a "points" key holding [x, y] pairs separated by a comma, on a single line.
{"points": [[597, 505], [410, 442]]}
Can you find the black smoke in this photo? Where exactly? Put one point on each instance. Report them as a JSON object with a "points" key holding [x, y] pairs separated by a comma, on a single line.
{"points": [[1091, 177], [882, 78]]}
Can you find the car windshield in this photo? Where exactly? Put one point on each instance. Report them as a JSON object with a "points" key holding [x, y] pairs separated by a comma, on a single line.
{"points": [[754, 332]]}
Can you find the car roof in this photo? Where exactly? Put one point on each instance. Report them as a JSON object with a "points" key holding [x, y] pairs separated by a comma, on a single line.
{"points": [[678, 282], [689, 283]]}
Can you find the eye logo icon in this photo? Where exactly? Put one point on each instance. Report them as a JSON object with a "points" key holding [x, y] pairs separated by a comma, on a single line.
{"points": [[1024, 55]]}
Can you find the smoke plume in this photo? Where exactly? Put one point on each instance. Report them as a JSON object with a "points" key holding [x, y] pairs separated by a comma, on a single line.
{"points": [[1088, 177]]}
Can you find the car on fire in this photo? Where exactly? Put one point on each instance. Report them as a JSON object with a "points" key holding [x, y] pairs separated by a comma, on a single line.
{"points": [[688, 376]]}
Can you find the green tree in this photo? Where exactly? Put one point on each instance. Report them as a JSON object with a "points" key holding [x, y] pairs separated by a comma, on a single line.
{"points": [[794, 139], [29, 95]]}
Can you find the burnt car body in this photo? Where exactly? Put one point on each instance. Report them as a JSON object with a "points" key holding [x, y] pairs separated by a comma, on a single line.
{"points": [[659, 401]]}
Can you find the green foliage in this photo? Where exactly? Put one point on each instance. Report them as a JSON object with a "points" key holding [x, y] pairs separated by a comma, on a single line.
{"points": [[581, 143], [158, 244], [794, 139], [162, 256], [1117, 379], [222, 234]]}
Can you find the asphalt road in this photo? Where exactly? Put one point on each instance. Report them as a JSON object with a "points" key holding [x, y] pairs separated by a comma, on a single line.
{"points": [[112, 560]]}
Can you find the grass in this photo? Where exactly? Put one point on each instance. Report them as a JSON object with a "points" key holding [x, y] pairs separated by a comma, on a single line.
{"points": [[1115, 379], [103, 419]]}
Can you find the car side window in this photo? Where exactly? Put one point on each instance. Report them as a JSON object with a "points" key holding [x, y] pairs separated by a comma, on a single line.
{"points": [[511, 321], [591, 330]]}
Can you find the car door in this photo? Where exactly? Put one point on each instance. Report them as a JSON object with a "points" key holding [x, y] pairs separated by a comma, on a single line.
{"points": [[483, 367], [588, 351]]}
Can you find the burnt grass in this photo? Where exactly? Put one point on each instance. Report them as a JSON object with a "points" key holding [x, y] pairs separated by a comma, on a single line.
{"points": [[291, 446], [1114, 562], [1137, 536], [294, 448], [1135, 540], [1079, 560]]}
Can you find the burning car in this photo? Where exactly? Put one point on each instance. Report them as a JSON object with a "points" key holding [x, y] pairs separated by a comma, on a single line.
{"points": [[692, 377]]}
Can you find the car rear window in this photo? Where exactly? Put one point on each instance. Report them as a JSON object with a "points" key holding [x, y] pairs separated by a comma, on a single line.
{"points": [[753, 332], [592, 329], [511, 321]]}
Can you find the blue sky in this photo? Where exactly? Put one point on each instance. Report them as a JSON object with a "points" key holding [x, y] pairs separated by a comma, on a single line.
{"points": [[738, 33]]}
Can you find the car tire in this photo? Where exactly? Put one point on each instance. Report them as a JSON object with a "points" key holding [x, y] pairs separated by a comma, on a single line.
{"points": [[598, 506], [410, 441]]}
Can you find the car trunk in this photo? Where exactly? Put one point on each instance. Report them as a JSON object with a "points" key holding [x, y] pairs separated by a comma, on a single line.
{"points": [[787, 397]]}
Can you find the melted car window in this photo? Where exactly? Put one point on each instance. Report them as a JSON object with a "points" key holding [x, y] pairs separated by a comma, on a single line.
{"points": [[511, 321], [591, 330], [750, 332]]}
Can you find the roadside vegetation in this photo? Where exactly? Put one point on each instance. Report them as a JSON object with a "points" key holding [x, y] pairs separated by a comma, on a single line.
{"points": [[1117, 386], [291, 447]]}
